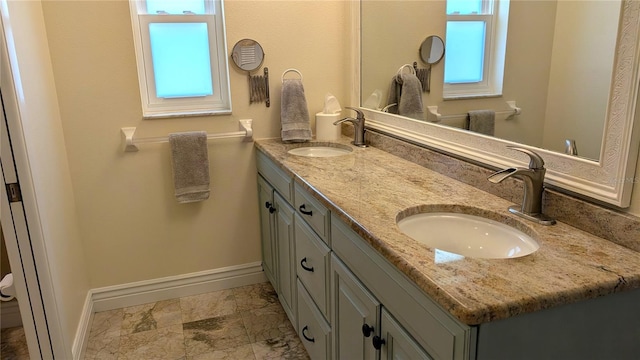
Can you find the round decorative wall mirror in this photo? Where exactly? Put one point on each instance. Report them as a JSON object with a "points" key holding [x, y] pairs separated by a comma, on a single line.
{"points": [[432, 49], [247, 54]]}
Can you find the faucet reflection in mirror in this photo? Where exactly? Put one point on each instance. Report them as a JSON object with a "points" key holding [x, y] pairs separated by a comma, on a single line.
{"points": [[533, 180], [564, 86], [599, 179]]}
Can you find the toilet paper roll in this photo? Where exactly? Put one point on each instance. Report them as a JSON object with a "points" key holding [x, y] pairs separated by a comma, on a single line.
{"points": [[325, 130], [7, 291]]}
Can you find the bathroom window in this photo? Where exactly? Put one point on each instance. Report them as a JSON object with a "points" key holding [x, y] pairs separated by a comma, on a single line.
{"points": [[476, 39], [181, 56]]}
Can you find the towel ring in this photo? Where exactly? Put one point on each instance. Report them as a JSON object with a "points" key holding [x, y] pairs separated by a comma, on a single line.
{"points": [[405, 66], [291, 70]]}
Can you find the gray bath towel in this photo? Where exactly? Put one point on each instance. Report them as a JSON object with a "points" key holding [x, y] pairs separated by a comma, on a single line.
{"points": [[482, 121], [406, 91], [190, 164], [294, 114]]}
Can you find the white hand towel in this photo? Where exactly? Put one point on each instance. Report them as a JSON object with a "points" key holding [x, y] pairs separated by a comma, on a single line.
{"points": [[482, 121], [294, 114], [190, 164]]}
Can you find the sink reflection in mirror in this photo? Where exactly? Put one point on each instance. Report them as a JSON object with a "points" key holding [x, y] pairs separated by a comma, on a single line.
{"points": [[454, 233], [321, 150]]}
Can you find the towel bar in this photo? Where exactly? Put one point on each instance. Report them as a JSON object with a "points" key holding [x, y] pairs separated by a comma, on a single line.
{"points": [[434, 116], [130, 144]]}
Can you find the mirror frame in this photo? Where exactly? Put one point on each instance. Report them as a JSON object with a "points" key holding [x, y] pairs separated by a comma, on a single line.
{"points": [[609, 180]]}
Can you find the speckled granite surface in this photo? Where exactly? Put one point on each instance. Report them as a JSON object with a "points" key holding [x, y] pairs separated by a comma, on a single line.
{"points": [[369, 188]]}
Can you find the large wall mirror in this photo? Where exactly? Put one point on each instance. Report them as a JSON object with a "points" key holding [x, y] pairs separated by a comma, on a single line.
{"points": [[573, 73]]}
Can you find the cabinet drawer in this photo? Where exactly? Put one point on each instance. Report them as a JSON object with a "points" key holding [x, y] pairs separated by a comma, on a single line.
{"points": [[282, 182], [312, 261], [442, 336], [314, 213], [313, 330]]}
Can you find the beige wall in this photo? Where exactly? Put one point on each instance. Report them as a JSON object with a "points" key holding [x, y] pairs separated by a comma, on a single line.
{"points": [[48, 196], [572, 79], [132, 227]]}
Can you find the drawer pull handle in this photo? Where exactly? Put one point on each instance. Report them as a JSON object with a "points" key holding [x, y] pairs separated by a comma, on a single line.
{"points": [[367, 330], [377, 342], [303, 263], [305, 335], [304, 211], [269, 206]]}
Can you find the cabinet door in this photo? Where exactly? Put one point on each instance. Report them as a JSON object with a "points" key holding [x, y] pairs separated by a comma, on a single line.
{"points": [[286, 256], [354, 315], [312, 264], [267, 231], [313, 330], [397, 344]]}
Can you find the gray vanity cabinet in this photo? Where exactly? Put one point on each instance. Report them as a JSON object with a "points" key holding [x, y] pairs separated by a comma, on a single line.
{"points": [[355, 315], [267, 231], [285, 240], [275, 192], [415, 325], [331, 283], [362, 325], [396, 342]]}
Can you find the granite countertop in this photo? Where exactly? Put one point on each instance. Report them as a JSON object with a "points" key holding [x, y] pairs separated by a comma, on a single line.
{"points": [[368, 188]]}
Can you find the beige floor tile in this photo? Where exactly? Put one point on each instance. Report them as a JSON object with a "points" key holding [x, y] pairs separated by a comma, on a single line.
{"points": [[255, 296], [103, 348], [164, 343], [247, 322], [287, 346], [14, 344], [218, 333], [206, 306], [151, 316], [106, 323], [266, 323], [244, 352]]}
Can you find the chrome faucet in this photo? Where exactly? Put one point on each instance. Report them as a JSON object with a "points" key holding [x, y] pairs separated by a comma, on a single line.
{"points": [[533, 179], [358, 127]]}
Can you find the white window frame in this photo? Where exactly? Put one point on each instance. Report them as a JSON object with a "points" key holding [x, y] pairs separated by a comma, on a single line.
{"points": [[153, 107], [496, 17]]}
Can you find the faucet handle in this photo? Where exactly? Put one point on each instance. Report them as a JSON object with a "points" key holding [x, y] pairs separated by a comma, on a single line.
{"points": [[535, 161], [360, 115]]}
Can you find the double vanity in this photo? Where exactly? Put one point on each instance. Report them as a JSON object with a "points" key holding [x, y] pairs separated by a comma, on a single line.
{"points": [[375, 256]]}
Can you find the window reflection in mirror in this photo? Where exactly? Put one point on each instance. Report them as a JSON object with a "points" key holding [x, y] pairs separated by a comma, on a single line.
{"points": [[558, 65]]}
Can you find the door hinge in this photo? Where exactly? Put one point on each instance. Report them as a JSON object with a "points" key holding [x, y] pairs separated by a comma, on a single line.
{"points": [[13, 192]]}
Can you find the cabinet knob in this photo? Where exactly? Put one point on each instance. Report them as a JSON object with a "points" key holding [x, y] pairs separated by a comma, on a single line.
{"points": [[269, 206], [377, 342], [304, 335], [304, 211], [367, 330], [303, 263]]}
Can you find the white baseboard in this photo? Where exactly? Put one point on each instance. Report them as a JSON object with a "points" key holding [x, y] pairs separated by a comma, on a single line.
{"points": [[142, 292], [82, 334], [10, 314]]}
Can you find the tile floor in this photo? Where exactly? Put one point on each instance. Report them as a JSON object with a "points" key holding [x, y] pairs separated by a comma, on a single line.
{"points": [[242, 323], [13, 344]]}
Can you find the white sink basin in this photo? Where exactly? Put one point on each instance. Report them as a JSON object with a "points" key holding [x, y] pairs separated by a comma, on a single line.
{"points": [[320, 151], [468, 235]]}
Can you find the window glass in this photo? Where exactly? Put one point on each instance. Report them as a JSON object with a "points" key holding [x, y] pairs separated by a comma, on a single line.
{"points": [[181, 61], [175, 7], [464, 7], [464, 59]]}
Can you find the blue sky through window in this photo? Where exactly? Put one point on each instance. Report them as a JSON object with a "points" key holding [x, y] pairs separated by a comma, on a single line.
{"points": [[181, 59], [175, 6], [465, 51]]}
